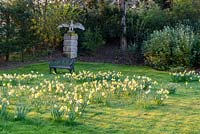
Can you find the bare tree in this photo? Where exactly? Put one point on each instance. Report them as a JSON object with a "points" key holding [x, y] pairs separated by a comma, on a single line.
{"points": [[123, 8], [123, 39]]}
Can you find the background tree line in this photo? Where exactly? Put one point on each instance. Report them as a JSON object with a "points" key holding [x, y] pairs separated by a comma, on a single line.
{"points": [[30, 26]]}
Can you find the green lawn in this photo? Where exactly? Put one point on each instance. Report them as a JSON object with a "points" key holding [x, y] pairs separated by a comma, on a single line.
{"points": [[179, 115]]}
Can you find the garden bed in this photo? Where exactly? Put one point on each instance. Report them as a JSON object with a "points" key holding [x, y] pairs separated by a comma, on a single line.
{"points": [[120, 113]]}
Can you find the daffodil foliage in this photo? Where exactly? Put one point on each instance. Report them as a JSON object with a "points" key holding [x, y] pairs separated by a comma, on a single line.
{"points": [[66, 96], [185, 76]]}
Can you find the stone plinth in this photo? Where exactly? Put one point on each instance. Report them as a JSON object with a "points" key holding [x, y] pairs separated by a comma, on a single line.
{"points": [[70, 45]]}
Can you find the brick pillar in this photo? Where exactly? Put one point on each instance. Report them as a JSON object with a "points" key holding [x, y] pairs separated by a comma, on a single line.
{"points": [[70, 45]]}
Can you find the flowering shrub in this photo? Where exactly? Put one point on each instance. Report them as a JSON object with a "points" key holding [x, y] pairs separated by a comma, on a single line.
{"points": [[171, 47], [185, 76], [67, 96]]}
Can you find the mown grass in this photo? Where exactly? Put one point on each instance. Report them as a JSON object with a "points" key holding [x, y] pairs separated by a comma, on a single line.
{"points": [[180, 113]]}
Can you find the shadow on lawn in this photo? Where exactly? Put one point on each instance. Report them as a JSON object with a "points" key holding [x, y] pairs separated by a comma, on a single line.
{"points": [[47, 126]]}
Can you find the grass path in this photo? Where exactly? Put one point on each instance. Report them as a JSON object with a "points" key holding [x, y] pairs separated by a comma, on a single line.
{"points": [[179, 115]]}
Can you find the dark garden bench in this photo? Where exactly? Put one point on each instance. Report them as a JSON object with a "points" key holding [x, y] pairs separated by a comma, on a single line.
{"points": [[63, 63]]}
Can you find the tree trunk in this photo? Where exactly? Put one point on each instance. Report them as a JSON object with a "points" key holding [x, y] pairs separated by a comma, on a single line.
{"points": [[8, 36], [22, 55], [45, 12], [123, 39], [7, 55]]}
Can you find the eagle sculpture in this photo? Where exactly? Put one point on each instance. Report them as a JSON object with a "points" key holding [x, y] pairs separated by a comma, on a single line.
{"points": [[71, 26]]}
